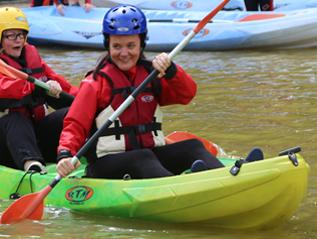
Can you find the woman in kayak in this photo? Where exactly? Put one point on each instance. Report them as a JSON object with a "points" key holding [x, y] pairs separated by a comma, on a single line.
{"points": [[256, 5], [61, 3], [134, 145], [27, 131]]}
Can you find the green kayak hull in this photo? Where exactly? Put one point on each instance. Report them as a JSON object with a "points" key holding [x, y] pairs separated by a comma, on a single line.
{"points": [[264, 193]]}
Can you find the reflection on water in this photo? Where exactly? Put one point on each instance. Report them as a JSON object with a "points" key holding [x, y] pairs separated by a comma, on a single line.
{"points": [[245, 99], [60, 223]]}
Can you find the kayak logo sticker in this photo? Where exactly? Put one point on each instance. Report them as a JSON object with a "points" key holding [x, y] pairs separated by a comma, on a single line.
{"points": [[79, 194], [147, 98], [181, 4], [203, 32], [88, 35]]}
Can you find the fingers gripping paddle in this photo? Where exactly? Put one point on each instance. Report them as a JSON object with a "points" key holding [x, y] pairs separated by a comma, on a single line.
{"points": [[26, 206], [15, 73]]}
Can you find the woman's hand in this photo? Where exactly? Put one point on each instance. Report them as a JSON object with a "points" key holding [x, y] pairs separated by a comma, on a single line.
{"points": [[88, 7], [55, 88], [65, 166], [161, 62], [60, 9]]}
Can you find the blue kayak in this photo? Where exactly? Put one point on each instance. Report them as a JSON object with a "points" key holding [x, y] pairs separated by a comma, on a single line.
{"points": [[189, 5], [198, 5], [230, 30]]}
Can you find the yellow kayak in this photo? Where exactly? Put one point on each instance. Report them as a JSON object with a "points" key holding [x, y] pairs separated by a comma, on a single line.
{"points": [[263, 193]]}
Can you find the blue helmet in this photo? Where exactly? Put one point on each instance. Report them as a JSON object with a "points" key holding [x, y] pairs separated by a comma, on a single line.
{"points": [[124, 20]]}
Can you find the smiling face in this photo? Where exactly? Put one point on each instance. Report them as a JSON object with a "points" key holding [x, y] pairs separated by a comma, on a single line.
{"points": [[12, 42], [125, 50]]}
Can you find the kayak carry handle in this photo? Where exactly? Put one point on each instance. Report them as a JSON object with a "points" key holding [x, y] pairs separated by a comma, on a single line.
{"points": [[294, 150], [291, 154]]}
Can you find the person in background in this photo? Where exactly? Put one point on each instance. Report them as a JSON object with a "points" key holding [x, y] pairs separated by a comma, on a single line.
{"points": [[61, 3], [38, 3], [134, 145], [256, 5], [28, 132]]}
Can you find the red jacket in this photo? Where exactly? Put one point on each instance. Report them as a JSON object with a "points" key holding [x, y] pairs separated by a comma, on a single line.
{"points": [[14, 91], [95, 95]]}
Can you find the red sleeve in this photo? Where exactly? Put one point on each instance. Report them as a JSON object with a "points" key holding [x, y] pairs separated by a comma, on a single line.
{"points": [[14, 88], [88, 1], [92, 96], [181, 89], [66, 86], [271, 5]]}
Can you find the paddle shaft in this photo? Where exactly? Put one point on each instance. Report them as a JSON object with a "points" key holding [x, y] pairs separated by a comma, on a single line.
{"points": [[139, 89], [184, 20], [176, 20], [15, 73]]}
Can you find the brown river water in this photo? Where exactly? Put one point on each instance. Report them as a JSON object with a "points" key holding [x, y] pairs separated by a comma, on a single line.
{"points": [[245, 99]]}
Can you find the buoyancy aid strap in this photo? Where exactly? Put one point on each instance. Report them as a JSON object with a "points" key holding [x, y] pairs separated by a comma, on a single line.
{"points": [[132, 131], [117, 125], [135, 144], [13, 103], [30, 71], [126, 91], [26, 105], [136, 129]]}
